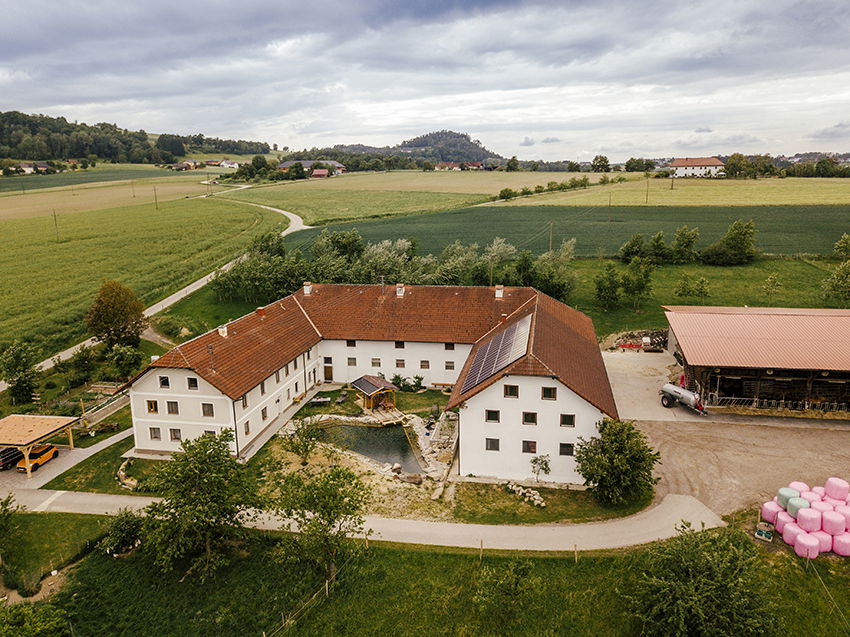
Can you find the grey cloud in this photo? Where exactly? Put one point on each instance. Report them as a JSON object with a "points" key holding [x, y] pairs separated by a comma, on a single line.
{"points": [[838, 131], [550, 140], [527, 142], [702, 129]]}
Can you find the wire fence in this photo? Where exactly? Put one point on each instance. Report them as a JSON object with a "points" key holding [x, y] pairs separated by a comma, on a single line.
{"points": [[758, 403]]}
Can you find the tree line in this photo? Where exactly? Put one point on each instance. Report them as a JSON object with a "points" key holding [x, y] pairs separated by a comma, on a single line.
{"points": [[40, 137]]}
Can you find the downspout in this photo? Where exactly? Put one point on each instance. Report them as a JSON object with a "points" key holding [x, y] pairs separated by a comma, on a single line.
{"points": [[235, 428], [304, 369]]}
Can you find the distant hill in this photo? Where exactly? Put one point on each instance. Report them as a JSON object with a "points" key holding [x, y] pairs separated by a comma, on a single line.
{"points": [[444, 145], [41, 137]]}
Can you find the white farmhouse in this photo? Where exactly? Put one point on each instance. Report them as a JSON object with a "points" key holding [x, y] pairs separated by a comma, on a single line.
{"points": [[696, 167], [527, 372]]}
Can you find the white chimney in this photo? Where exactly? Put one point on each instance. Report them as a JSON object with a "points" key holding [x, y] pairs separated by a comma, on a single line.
{"points": [[222, 331], [308, 287], [154, 358], [399, 289], [500, 291]]}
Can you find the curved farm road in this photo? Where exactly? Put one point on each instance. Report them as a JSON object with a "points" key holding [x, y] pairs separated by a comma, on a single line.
{"points": [[296, 223], [652, 524]]}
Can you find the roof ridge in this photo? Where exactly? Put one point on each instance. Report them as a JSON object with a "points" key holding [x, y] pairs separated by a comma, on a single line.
{"points": [[507, 318], [307, 316]]}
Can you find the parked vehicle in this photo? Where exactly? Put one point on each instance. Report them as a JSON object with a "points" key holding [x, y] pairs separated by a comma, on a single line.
{"points": [[672, 394], [39, 455], [9, 457]]}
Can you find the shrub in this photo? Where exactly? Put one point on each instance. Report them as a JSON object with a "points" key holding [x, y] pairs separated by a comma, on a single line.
{"points": [[507, 193], [33, 620], [634, 247], [736, 247], [123, 533]]}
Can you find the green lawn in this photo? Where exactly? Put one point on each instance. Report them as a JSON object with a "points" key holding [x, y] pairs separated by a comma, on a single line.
{"points": [[408, 590], [47, 286], [201, 312], [493, 504], [421, 403], [321, 206], [41, 542], [99, 473], [602, 230]]}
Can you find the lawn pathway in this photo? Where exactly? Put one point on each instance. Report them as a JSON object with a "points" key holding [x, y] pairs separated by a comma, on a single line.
{"points": [[295, 224]]}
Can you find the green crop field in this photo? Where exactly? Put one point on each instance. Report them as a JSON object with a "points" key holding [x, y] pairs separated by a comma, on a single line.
{"points": [[700, 192], [48, 284], [101, 173], [781, 229]]}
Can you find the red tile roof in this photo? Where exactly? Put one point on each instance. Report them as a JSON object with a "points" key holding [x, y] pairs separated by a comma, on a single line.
{"points": [[562, 344], [758, 337], [695, 162]]}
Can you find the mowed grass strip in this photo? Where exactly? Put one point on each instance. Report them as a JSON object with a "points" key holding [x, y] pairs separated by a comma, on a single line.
{"points": [[48, 285], [318, 206], [602, 230], [700, 192]]}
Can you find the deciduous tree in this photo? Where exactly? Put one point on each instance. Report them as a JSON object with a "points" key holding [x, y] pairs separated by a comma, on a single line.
{"points": [[117, 315], [836, 287], [125, 360], [541, 464], [842, 247], [302, 440], [637, 280], [617, 464], [512, 165], [17, 369], [607, 284]]}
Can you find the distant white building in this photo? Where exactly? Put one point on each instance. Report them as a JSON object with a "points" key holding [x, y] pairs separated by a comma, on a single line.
{"points": [[228, 163], [527, 372], [696, 167]]}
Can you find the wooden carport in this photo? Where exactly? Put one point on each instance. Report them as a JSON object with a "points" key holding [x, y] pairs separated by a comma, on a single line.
{"points": [[24, 431]]}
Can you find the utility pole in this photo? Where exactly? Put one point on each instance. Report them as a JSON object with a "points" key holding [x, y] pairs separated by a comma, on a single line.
{"points": [[672, 179], [56, 225], [155, 200]]}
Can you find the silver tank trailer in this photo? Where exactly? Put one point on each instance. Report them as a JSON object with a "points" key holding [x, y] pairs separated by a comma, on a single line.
{"points": [[672, 394]]}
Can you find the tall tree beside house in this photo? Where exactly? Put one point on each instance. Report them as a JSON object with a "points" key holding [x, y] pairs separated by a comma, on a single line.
{"points": [[117, 316], [328, 510], [17, 368], [600, 164], [207, 498], [617, 464]]}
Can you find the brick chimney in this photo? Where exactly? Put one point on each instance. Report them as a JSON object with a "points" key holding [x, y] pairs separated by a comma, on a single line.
{"points": [[261, 312]]}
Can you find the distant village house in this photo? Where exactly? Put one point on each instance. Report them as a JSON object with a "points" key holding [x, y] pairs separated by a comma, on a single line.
{"points": [[696, 167]]}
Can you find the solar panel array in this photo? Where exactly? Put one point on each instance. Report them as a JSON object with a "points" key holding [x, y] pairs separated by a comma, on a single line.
{"points": [[500, 351]]}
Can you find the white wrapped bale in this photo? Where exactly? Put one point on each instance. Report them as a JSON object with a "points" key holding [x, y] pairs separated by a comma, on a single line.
{"points": [[837, 488], [786, 493], [795, 504], [806, 546], [834, 523], [810, 520]]}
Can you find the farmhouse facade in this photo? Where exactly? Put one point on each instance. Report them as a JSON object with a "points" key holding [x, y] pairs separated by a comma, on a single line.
{"points": [[696, 167], [526, 371]]}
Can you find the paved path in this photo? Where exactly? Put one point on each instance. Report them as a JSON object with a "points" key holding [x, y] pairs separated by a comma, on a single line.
{"points": [[647, 526], [295, 224]]}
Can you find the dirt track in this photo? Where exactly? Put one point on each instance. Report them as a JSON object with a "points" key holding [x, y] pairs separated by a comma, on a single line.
{"points": [[728, 466]]}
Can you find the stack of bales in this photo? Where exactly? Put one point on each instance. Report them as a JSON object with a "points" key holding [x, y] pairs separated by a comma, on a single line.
{"points": [[815, 520]]}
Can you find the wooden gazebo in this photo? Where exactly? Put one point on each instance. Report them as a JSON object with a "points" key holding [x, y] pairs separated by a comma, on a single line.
{"points": [[25, 431], [376, 392]]}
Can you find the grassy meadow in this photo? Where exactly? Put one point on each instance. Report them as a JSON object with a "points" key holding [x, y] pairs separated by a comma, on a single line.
{"points": [[101, 173], [700, 192], [602, 230], [48, 284]]}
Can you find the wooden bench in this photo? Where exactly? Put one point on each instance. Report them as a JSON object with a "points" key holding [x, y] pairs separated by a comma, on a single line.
{"points": [[443, 386]]}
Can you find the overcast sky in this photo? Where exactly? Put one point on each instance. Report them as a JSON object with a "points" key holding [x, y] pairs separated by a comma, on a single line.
{"points": [[542, 80]]}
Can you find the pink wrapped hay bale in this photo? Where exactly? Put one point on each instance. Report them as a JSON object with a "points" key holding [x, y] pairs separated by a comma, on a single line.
{"points": [[769, 511], [825, 540], [811, 496], [790, 532], [841, 544], [805, 545], [822, 506], [782, 518], [799, 486], [835, 502], [810, 520], [833, 523], [845, 511], [795, 504], [837, 488], [786, 493], [819, 490]]}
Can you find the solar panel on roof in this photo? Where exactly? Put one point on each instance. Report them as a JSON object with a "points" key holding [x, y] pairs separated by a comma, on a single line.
{"points": [[500, 351]]}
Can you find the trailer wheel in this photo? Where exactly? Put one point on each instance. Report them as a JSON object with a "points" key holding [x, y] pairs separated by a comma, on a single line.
{"points": [[666, 401]]}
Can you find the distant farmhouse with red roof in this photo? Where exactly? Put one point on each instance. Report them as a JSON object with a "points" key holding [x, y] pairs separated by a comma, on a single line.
{"points": [[455, 165], [696, 167]]}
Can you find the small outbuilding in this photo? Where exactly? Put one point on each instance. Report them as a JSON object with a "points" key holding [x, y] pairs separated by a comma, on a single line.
{"points": [[784, 358], [25, 431], [376, 392]]}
